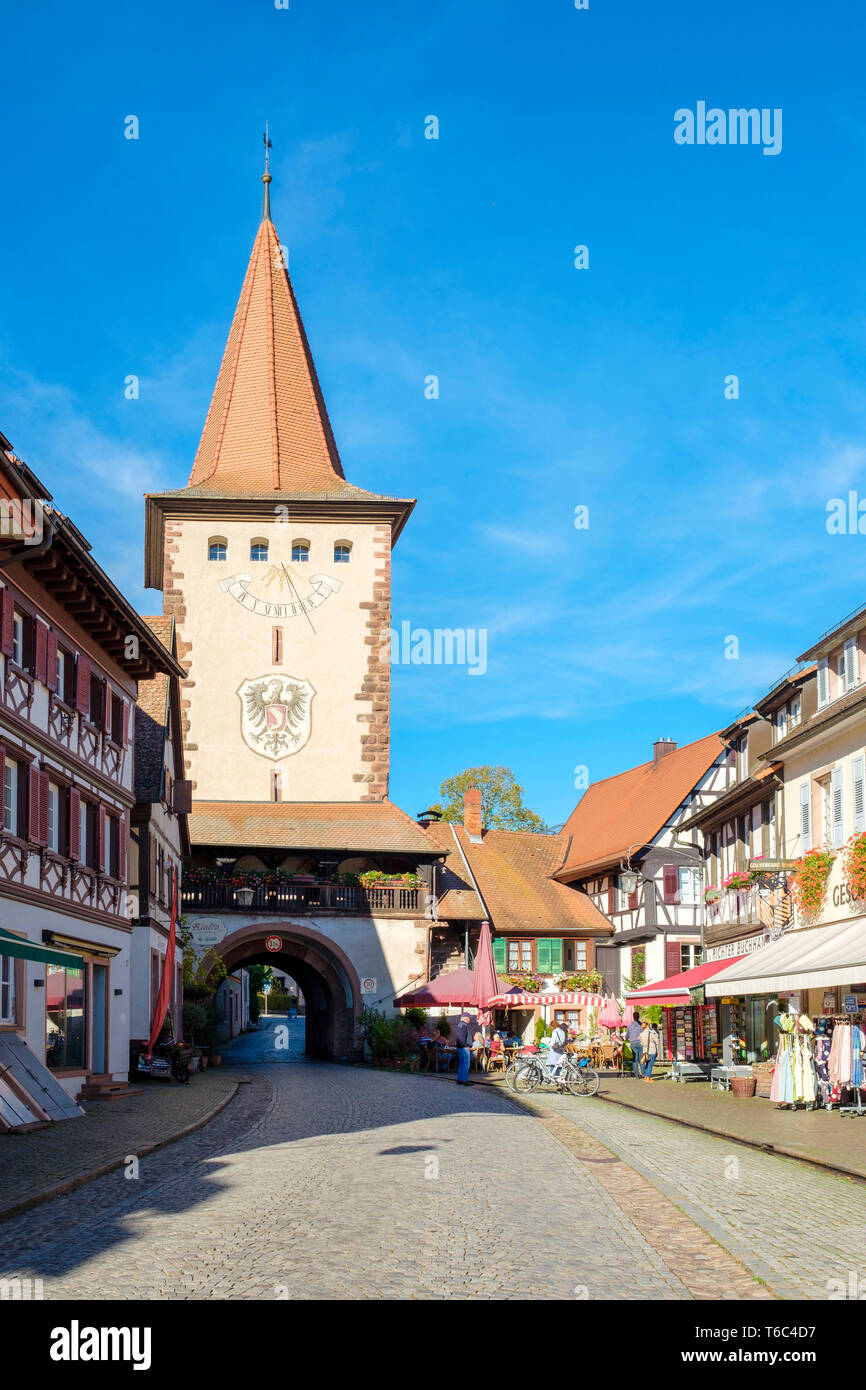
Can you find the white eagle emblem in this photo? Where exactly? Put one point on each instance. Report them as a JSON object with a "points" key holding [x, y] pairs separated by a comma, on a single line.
{"points": [[276, 714]]}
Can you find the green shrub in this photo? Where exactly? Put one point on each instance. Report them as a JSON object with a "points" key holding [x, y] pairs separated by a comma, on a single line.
{"points": [[419, 1018], [443, 1025]]}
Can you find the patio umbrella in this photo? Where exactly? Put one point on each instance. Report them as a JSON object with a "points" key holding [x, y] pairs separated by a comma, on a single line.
{"points": [[609, 1015], [628, 1014], [455, 987], [486, 981]]}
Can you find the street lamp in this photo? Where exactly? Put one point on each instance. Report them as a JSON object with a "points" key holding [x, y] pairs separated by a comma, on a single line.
{"points": [[244, 897], [628, 880]]}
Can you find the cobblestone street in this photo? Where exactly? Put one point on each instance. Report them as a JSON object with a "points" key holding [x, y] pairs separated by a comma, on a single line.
{"points": [[319, 1181]]}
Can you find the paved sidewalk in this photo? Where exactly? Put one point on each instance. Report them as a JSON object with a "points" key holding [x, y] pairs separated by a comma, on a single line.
{"points": [[817, 1136], [47, 1162]]}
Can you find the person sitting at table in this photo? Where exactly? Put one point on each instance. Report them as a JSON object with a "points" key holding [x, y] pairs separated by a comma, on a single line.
{"points": [[478, 1048]]}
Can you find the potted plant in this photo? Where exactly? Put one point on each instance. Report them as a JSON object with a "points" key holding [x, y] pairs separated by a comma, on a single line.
{"points": [[736, 882], [809, 886], [712, 894], [854, 866]]}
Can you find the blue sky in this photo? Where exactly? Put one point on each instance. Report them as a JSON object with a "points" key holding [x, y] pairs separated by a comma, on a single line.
{"points": [[411, 257]]}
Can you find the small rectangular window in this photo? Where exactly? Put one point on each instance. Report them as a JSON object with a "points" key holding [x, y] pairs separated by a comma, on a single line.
{"points": [[18, 639], [526, 955], [53, 817], [513, 955], [109, 866], [7, 989], [580, 954], [10, 797]]}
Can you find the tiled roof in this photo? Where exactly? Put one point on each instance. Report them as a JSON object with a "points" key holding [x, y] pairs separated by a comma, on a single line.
{"points": [[151, 720], [513, 871], [368, 826], [267, 428], [628, 810]]}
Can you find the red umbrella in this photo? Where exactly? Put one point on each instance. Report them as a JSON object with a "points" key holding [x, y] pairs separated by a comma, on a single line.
{"points": [[486, 980], [455, 987]]}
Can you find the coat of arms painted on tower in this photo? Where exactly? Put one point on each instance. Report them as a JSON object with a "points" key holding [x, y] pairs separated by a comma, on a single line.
{"points": [[276, 714]]}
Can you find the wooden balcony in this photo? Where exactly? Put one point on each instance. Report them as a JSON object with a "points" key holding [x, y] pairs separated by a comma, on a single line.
{"points": [[292, 899]]}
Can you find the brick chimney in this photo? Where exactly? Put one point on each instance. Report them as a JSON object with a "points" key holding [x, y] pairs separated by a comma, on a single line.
{"points": [[663, 746], [472, 812]]}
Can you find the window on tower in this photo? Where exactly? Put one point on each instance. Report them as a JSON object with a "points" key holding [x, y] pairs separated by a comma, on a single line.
{"points": [[216, 548], [342, 552], [300, 552], [258, 550]]}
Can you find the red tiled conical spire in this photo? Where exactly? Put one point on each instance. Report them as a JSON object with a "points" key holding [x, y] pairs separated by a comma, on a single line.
{"points": [[267, 427]]}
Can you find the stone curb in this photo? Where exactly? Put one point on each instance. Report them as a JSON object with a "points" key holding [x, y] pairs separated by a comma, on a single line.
{"points": [[81, 1179], [780, 1150]]}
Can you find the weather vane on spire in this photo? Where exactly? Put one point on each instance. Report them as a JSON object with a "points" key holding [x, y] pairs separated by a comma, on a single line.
{"points": [[266, 177]]}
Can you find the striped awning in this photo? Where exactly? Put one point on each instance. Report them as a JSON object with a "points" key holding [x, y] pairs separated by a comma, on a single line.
{"points": [[569, 1001]]}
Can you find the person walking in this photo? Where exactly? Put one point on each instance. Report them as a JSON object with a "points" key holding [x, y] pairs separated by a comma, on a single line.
{"points": [[651, 1044], [463, 1042], [556, 1051], [633, 1033]]}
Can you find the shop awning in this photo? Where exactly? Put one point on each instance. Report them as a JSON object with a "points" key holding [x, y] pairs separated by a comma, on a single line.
{"points": [[516, 1000], [806, 959], [673, 992], [22, 949]]}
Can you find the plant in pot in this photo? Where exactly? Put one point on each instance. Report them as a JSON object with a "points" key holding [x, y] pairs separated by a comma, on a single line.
{"points": [[854, 866], [809, 886], [736, 882]]}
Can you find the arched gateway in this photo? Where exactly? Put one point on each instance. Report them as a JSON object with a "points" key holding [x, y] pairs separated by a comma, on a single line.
{"points": [[328, 979]]}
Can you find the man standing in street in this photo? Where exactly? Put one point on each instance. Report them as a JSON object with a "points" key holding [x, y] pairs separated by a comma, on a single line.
{"points": [[633, 1032], [463, 1041]]}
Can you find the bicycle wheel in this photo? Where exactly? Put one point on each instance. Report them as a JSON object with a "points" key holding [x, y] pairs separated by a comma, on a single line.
{"points": [[583, 1081], [511, 1071], [526, 1079]]}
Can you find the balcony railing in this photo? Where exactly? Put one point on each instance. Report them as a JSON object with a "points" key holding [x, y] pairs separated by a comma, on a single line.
{"points": [[307, 897]]}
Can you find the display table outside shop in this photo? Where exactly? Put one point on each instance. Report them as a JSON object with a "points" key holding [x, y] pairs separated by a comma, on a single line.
{"points": [[721, 1077]]}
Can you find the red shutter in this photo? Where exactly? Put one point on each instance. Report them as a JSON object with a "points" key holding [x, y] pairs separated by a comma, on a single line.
{"points": [[40, 663], [182, 798], [82, 684], [671, 883], [673, 964], [124, 723], [73, 831], [121, 849], [633, 898], [100, 839], [51, 661], [33, 805], [7, 626], [3, 787], [611, 896]]}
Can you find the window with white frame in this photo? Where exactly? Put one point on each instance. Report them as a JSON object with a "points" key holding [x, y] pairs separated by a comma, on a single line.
{"points": [[826, 812], [18, 639], [217, 548], [7, 989], [10, 797], [780, 723], [54, 817], [690, 956], [757, 832], [795, 712], [580, 955], [83, 845], [109, 867], [771, 825], [259, 550], [690, 886], [300, 552]]}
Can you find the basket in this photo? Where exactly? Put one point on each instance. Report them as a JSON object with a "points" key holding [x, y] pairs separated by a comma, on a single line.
{"points": [[743, 1087], [763, 1074]]}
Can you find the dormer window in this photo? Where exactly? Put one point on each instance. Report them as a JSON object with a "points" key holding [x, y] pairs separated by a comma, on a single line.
{"points": [[217, 548], [342, 552], [258, 550], [300, 552]]}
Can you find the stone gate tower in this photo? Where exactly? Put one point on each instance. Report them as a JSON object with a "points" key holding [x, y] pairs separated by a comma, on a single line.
{"points": [[277, 572]]}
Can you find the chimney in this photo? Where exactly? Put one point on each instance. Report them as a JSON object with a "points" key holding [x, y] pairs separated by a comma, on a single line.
{"points": [[663, 746], [472, 812]]}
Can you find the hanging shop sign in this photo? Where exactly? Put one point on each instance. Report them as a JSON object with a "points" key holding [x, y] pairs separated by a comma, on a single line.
{"points": [[206, 932], [849, 1003]]}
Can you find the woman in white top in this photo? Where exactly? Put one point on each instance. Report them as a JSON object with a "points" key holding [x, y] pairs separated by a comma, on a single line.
{"points": [[556, 1051]]}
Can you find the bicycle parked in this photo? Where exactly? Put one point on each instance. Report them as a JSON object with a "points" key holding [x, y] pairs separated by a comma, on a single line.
{"points": [[527, 1072]]}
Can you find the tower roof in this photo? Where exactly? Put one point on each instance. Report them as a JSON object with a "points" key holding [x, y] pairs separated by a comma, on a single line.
{"points": [[267, 428]]}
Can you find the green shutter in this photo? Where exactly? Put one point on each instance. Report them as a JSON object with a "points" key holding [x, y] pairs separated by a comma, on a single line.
{"points": [[543, 947], [499, 953], [556, 956]]}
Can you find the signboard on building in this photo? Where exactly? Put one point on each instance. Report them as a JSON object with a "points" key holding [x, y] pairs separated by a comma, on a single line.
{"points": [[849, 1003], [772, 866], [743, 947], [206, 932]]}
